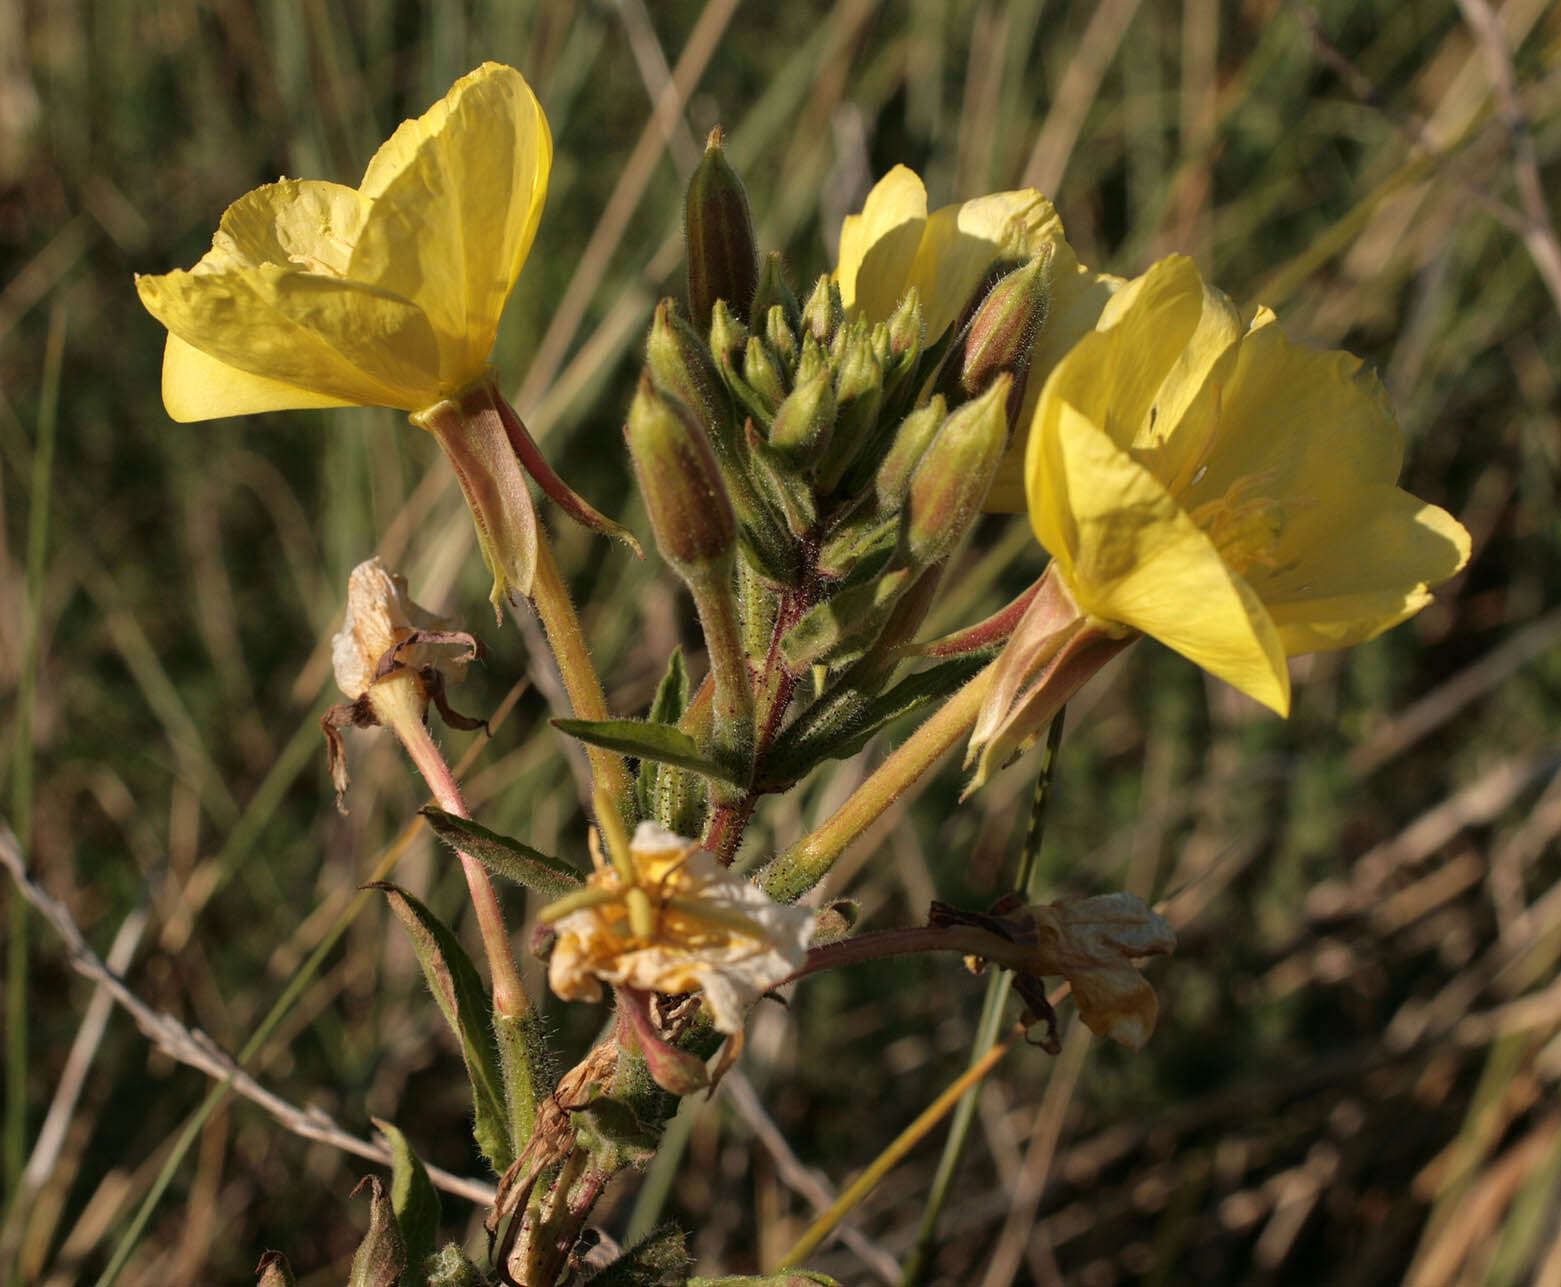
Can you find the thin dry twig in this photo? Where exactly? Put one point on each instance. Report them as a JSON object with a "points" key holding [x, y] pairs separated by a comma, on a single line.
{"points": [[195, 1048], [1538, 230], [657, 75]]}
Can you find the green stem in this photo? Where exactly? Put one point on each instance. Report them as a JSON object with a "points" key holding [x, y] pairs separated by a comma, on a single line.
{"points": [[997, 989], [802, 866], [733, 732], [551, 598]]}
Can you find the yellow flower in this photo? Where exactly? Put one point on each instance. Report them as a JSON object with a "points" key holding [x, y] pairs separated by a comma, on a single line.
{"points": [[680, 923], [389, 294], [1230, 493], [894, 245]]}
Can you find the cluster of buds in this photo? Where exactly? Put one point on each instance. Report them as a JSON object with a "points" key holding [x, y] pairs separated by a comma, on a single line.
{"points": [[809, 470]]}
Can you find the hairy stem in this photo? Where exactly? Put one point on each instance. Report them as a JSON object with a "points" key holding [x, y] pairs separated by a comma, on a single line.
{"points": [[395, 702], [553, 604]]}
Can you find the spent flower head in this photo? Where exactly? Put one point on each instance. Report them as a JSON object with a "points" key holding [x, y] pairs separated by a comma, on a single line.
{"points": [[674, 921], [392, 659]]}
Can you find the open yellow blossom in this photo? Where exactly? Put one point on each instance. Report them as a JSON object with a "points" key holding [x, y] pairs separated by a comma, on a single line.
{"points": [[894, 245], [683, 923], [388, 294], [1230, 493]]}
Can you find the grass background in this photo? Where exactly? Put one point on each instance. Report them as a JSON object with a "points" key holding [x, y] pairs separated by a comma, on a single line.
{"points": [[1354, 1076]]}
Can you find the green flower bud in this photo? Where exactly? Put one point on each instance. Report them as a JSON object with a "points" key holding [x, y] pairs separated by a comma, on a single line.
{"points": [[911, 441], [772, 290], [729, 347], [762, 374], [1001, 333], [858, 395], [687, 501], [811, 361], [781, 484], [722, 252], [804, 420], [907, 332], [954, 475], [680, 365], [824, 312], [781, 338]]}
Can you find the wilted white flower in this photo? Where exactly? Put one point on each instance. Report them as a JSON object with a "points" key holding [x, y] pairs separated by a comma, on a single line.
{"points": [[683, 924]]}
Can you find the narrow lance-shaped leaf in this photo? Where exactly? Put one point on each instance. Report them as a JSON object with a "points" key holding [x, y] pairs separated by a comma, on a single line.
{"points": [[658, 1260], [415, 1202], [504, 855], [458, 990], [656, 742], [840, 722]]}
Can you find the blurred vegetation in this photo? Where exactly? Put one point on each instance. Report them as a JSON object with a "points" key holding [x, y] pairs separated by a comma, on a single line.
{"points": [[1354, 1078]]}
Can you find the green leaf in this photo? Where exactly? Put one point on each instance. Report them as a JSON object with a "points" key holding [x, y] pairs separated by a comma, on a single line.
{"points": [[454, 981], [852, 618], [504, 855], [415, 1202], [382, 1253], [839, 724], [659, 1260], [672, 693], [659, 742], [666, 708]]}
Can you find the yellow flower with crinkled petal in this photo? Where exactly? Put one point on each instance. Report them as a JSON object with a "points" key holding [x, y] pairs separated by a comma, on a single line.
{"points": [[894, 245], [1207, 482], [319, 295]]}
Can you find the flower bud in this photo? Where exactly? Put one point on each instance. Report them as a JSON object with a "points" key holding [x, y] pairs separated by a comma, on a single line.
{"points": [[954, 476], [772, 290], [804, 421], [911, 441], [722, 253], [824, 312], [762, 374], [858, 396], [689, 510], [680, 365], [1000, 333], [729, 347], [782, 339]]}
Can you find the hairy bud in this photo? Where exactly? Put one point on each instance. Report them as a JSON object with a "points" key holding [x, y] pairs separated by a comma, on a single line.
{"points": [[689, 510], [954, 475], [722, 254]]}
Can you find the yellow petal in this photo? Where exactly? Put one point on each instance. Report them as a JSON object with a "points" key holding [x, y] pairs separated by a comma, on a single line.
{"points": [[878, 246], [960, 243], [1131, 555], [457, 196], [1375, 572], [338, 339], [1313, 426], [301, 223], [197, 386]]}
